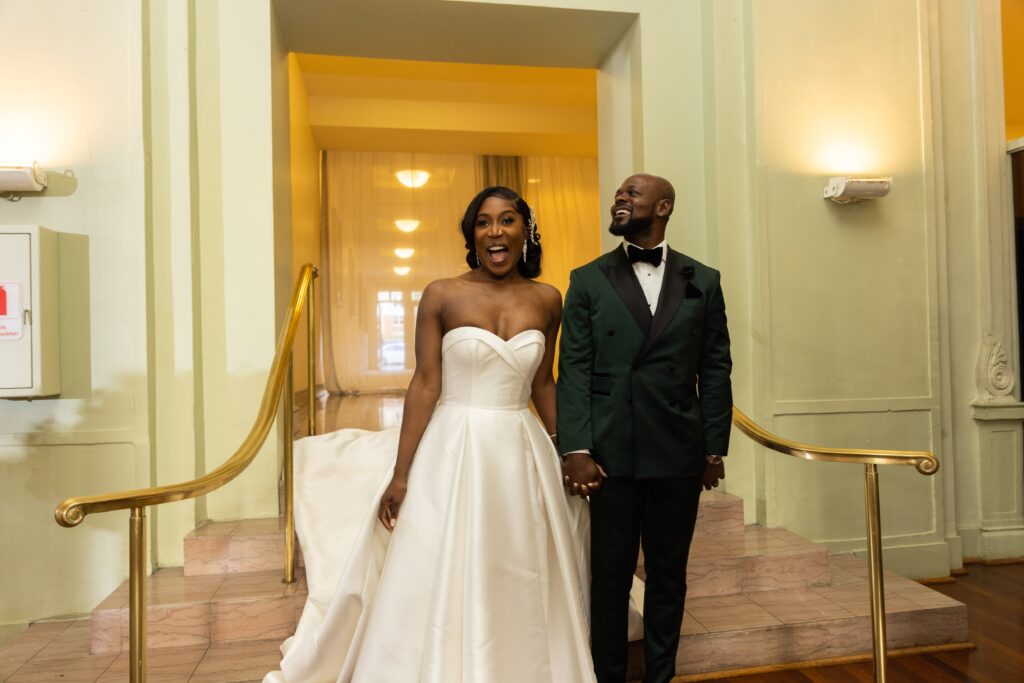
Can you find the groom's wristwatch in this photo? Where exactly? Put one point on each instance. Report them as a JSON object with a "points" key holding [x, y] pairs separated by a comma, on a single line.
{"points": [[714, 459]]}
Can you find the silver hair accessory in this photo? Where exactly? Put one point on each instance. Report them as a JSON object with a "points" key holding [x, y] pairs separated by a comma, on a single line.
{"points": [[531, 231]]}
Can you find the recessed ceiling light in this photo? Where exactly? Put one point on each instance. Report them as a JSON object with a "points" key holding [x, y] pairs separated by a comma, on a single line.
{"points": [[404, 252], [407, 224], [413, 177], [533, 181], [402, 270]]}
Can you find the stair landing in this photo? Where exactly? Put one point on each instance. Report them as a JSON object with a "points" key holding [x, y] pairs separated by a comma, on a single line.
{"points": [[757, 596]]}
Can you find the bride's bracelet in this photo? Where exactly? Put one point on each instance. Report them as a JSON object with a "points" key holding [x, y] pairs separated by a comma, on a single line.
{"points": [[554, 438]]}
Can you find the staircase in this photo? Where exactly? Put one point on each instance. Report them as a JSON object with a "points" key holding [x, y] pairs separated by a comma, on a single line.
{"points": [[229, 590], [756, 597]]}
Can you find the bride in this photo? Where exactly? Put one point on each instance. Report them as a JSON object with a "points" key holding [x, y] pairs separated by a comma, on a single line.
{"points": [[448, 550]]}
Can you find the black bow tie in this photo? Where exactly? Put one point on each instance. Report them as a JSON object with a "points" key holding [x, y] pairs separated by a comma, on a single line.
{"points": [[652, 256]]}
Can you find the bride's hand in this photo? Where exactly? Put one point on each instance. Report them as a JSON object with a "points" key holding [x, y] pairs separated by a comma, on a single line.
{"points": [[581, 475], [390, 502]]}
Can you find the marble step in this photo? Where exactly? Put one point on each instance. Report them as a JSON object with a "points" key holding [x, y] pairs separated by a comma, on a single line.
{"points": [[258, 544], [248, 545], [731, 632], [202, 610], [755, 559], [719, 513]]}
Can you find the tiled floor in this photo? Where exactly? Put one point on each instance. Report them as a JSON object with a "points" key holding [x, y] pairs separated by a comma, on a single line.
{"points": [[60, 651]]}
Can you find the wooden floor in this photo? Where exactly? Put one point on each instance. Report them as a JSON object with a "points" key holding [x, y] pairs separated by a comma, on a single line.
{"points": [[994, 596]]}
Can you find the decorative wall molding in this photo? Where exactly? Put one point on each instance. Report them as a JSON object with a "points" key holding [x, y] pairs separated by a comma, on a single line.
{"points": [[1003, 411], [995, 375], [884, 404]]}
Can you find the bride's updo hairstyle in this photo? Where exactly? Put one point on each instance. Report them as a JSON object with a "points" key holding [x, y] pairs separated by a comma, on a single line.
{"points": [[527, 267]]}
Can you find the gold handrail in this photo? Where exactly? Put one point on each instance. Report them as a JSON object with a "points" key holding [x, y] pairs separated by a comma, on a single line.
{"points": [[924, 461], [72, 511]]}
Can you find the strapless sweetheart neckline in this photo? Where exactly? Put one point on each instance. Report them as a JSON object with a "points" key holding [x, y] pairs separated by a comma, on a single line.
{"points": [[492, 334]]}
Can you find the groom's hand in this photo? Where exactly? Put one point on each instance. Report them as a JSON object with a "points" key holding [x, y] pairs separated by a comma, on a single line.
{"points": [[581, 475], [713, 474]]}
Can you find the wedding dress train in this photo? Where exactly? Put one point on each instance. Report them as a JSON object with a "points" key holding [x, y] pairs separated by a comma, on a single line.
{"points": [[485, 576]]}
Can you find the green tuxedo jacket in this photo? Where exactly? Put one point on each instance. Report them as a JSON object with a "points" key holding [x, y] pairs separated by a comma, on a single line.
{"points": [[650, 396]]}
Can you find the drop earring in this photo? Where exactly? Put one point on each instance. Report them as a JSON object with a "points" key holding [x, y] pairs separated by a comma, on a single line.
{"points": [[525, 243]]}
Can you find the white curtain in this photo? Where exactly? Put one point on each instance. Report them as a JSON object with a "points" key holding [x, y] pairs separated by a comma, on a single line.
{"points": [[371, 307]]}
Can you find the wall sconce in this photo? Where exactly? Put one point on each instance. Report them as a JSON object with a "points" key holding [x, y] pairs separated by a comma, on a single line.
{"points": [[844, 190], [401, 270], [407, 224], [22, 179]]}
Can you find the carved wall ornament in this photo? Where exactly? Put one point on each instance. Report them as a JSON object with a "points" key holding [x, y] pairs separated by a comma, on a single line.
{"points": [[995, 376]]}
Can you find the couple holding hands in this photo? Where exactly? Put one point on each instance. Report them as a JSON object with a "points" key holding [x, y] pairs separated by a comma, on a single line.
{"points": [[448, 550]]}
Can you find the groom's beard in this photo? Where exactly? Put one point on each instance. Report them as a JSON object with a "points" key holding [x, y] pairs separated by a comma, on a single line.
{"points": [[632, 227]]}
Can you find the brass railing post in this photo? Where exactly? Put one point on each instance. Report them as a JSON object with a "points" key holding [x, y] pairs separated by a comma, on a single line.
{"points": [[877, 583], [137, 596], [311, 351], [289, 487], [71, 511]]}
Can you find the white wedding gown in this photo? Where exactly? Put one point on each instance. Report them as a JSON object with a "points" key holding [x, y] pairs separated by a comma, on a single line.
{"points": [[485, 577]]}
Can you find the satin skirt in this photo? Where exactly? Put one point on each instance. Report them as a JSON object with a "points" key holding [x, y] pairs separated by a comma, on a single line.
{"points": [[484, 579]]}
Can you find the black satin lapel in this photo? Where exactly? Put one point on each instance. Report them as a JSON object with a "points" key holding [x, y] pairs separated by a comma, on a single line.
{"points": [[673, 290], [620, 274]]}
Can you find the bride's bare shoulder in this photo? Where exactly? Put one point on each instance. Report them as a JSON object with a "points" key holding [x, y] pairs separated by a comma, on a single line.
{"points": [[440, 291], [549, 294]]}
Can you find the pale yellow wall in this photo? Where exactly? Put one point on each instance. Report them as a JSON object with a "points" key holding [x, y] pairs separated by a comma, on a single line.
{"points": [[841, 317], [1013, 66], [173, 193], [849, 292], [305, 174], [75, 106], [240, 296]]}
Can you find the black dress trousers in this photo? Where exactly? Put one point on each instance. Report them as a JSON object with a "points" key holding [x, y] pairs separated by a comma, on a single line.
{"points": [[625, 513]]}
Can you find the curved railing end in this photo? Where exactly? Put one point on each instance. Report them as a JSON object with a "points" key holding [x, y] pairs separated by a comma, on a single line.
{"points": [[69, 513]]}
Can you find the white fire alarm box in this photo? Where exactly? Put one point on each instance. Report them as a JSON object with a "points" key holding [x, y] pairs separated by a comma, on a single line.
{"points": [[29, 295]]}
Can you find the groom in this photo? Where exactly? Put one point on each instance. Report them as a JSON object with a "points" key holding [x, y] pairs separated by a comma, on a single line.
{"points": [[644, 395]]}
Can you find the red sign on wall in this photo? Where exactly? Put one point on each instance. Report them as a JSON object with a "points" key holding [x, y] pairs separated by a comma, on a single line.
{"points": [[11, 320]]}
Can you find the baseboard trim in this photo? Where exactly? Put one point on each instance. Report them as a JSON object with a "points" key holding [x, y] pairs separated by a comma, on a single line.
{"points": [[815, 663], [995, 562], [936, 581]]}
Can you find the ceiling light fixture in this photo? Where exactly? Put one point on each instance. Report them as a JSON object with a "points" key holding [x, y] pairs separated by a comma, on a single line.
{"points": [[407, 224], [401, 270], [413, 177], [404, 252]]}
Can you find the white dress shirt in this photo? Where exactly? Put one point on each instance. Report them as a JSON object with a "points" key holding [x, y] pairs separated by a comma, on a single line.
{"points": [[650, 276]]}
